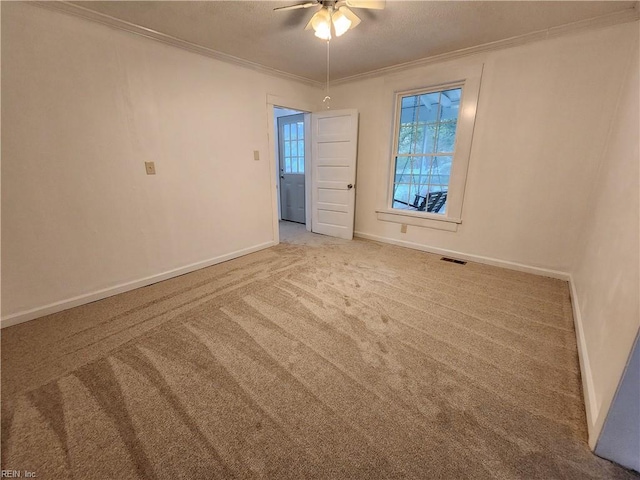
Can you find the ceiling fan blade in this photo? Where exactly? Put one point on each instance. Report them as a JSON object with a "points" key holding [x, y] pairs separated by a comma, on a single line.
{"points": [[371, 4], [296, 7]]}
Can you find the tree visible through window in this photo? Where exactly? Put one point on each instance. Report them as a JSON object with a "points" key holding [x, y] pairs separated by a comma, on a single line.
{"points": [[426, 134]]}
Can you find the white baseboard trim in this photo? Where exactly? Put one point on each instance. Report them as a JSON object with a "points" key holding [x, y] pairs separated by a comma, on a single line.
{"points": [[469, 257], [589, 394], [56, 307]]}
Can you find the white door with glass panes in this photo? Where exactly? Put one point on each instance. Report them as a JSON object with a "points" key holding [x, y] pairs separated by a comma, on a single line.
{"points": [[291, 152], [334, 145]]}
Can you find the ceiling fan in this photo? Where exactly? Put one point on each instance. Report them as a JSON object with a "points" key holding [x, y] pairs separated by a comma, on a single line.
{"points": [[334, 16]]}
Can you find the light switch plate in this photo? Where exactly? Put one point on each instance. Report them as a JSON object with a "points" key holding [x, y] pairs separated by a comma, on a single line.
{"points": [[256, 155], [150, 167]]}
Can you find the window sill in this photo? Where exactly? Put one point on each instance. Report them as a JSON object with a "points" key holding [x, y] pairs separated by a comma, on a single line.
{"points": [[426, 220]]}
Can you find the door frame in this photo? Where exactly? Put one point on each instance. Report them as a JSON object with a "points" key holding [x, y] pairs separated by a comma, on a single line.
{"points": [[300, 116], [305, 107]]}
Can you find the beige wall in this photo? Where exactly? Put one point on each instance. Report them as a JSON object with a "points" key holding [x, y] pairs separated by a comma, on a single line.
{"points": [[606, 271], [83, 107], [541, 125]]}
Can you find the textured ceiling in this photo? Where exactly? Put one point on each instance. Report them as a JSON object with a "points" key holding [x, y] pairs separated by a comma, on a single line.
{"points": [[404, 31]]}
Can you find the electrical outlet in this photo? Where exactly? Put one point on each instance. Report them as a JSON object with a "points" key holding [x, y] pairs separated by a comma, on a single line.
{"points": [[403, 228], [150, 167], [256, 155]]}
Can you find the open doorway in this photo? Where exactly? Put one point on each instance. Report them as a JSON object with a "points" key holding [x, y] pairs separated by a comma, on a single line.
{"points": [[291, 146], [327, 177]]}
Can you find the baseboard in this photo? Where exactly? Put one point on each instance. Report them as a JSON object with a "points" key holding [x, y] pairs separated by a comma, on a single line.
{"points": [[56, 307], [469, 257], [588, 390]]}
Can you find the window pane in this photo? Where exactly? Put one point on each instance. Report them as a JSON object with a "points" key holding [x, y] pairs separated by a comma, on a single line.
{"points": [[450, 104], [405, 140], [286, 132], [287, 149], [402, 163], [287, 164], [446, 136], [414, 165], [300, 130], [444, 179], [413, 191], [442, 166], [301, 164], [409, 101], [294, 149], [401, 196], [429, 107], [440, 171], [408, 115], [437, 199], [437, 188], [418, 138], [408, 170], [426, 139], [403, 178], [426, 164], [409, 109], [300, 147]]}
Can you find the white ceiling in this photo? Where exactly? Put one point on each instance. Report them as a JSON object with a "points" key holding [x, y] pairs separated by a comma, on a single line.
{"points": [[404, 31]]}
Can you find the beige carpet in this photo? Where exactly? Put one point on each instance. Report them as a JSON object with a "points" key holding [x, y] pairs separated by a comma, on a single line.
{"points": [[346, 360], [296, 234]]}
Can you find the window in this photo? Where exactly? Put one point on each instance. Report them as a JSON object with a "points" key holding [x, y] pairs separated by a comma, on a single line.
{"points": [[429, 144], [425, 145], [293, 145]]}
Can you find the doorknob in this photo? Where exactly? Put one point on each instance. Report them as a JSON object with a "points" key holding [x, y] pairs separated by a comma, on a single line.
{"points": [[281, 176], [350, 186]]}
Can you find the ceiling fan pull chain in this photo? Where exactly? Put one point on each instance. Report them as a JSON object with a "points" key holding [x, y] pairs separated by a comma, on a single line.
{"points": [[327, 98]]}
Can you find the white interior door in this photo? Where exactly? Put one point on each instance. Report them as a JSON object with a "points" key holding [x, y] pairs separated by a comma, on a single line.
{"points": [[334, 146], [291, 150]]}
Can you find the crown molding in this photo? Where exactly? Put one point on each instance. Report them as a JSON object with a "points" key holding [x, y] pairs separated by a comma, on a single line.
{"points": [[623, 16], [87, 14]]}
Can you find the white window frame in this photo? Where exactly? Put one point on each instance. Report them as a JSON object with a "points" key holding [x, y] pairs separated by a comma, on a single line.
{"points": [[468, 78]]}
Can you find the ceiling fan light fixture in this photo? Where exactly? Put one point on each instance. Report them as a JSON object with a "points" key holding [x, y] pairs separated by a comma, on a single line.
{"points": [[323, 32], [321, 23], [334, 16], [340, 23], [352, 17]]}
